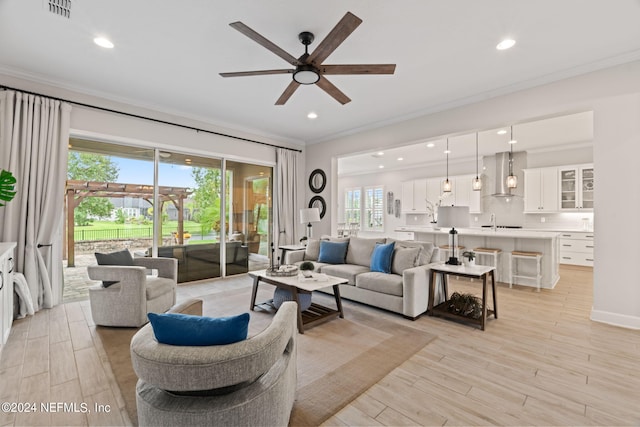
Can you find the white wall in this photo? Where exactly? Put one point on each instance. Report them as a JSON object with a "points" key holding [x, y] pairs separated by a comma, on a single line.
{"points": [[613, 96]]}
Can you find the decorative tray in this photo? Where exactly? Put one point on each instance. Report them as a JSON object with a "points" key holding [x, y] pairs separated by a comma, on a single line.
{"points": [[286, 270]]}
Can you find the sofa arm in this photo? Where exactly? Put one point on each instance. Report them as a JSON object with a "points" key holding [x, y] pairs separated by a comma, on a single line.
{"points": [[291, 257], [415, 290]]}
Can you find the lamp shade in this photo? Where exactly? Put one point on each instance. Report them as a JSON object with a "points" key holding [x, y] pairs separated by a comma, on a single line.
{"points": [[453, 216], [309, 215]]}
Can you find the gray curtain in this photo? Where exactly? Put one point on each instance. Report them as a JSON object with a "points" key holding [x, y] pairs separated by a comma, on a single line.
{"points": [[286, 192], [34, 138]]}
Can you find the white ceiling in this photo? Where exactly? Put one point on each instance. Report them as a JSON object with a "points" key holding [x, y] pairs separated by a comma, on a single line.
{"points": [[168, 54]]}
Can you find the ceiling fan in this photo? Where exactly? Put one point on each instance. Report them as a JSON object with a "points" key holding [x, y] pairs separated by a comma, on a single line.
{"points": [[309, 68]]}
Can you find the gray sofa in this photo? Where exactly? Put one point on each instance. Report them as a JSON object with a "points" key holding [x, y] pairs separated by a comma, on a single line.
{"points": [[404, 291]]}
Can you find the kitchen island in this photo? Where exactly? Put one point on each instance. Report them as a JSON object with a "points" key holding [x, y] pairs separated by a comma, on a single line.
{"points": [[506, 240]]}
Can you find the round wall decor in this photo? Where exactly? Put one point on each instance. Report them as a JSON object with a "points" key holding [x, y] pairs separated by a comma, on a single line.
{"points": [[317, 181], [318, 202]]}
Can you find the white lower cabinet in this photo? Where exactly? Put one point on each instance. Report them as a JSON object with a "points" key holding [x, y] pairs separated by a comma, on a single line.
{"points": [[6, 291], [576, 248]]}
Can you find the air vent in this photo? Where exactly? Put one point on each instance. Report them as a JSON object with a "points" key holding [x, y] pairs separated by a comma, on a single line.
{"points": [[60, 7]]}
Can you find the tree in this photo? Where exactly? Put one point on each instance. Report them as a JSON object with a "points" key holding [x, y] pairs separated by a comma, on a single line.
{"points": [[92, 167], [206, 197]]}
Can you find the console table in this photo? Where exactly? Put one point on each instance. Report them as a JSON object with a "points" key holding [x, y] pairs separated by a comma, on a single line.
{"points": [[476, 272]]}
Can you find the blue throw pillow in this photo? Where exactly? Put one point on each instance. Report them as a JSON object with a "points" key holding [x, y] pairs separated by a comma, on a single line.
{"points": [[333, 252], [381, 258], [185, 329]]}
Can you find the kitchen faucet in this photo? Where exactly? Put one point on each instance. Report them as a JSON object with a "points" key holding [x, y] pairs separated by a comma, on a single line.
{"points": [[493, 222]]}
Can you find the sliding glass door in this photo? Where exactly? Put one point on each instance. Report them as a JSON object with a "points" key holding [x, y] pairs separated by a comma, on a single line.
{"points": [[211, 214]]}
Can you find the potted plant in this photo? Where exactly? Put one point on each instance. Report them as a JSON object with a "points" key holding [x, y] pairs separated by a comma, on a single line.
{"points": [[469, 258], [7, 186], [307, 268]]}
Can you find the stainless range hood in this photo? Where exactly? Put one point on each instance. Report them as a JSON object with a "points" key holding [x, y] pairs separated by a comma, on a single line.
{"points": [[502, 172]]}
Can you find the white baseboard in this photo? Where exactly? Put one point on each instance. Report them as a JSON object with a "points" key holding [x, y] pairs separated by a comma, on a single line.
{"points": [[616, 319]]}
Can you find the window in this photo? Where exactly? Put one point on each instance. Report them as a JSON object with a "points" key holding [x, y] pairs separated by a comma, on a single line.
{"points": [[352, 205], [374, 208]]}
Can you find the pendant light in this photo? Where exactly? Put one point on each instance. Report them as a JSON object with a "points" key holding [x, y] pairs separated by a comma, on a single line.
{"points": [[512, 180], [477, 182], [446, 186]]}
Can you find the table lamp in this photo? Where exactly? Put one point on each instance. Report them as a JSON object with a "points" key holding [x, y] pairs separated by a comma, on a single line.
{"points": [[308, 216], [453, 216]]}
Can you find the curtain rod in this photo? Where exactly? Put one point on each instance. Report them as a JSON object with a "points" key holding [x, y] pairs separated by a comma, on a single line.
{"points": [[151, 119]]}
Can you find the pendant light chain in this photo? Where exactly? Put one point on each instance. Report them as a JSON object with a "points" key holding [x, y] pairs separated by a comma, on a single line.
{"points": [[512, 180], [446, 188], [476, 184]]}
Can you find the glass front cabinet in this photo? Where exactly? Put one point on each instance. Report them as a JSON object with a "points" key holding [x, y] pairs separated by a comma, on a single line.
{"points": [[576, 187]]}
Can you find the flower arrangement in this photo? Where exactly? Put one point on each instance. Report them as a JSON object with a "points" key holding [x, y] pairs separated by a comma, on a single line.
{"points": [[432, 208]]}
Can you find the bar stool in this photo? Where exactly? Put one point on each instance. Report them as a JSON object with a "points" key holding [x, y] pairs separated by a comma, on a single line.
{"points": [[446, 249], [525, 255], [492, 252]]}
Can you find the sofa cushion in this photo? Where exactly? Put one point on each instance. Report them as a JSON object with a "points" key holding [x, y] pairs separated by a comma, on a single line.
{"points": [[312, 252], [404, 258], [333, 252], [381, 257], [390, 284], [426, 249], [122, 257], [345, 271], [158, 286], [360, 250], [187, 330]]}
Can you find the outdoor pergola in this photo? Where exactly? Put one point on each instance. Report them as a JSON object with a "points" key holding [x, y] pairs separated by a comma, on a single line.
{"points": [[79, 190]]}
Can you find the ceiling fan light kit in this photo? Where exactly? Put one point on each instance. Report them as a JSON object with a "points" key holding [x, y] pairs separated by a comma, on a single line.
{"points": [[309, 68], [306, 75]]}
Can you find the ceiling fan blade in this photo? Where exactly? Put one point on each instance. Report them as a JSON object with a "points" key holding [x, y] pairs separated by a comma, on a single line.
{"points": [[358, 69], [336, 36], [287, 92], [256, 73], [336, 93], [264, 42]]}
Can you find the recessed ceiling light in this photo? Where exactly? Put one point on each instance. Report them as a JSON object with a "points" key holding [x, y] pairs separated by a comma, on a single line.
{"points": [[380, 153], [431, 145], [103, 42], [312, 115], [400, 159], [513, 141], [187, 160], [502, 131], [505, 44], [381, 167], [447, 151]]}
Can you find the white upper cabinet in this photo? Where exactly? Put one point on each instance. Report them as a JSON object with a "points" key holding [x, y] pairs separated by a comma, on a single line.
{"points": [[540, 190], [414, 196], [576, 187], [421, 195], [464, 194]]}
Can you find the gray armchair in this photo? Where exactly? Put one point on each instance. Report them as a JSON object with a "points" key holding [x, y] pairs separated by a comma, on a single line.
{"points": [[127, 302], [248, 383]]}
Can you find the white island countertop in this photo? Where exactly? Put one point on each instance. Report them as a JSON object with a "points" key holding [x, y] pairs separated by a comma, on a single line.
{"points": [[485, 232], [507, 240]]}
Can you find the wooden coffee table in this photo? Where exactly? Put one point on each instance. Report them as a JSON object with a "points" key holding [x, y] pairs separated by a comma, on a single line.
{"points": [[314, 314]]}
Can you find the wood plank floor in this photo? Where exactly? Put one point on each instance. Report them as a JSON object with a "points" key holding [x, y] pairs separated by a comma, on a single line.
{"points": [[543, 362]]}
